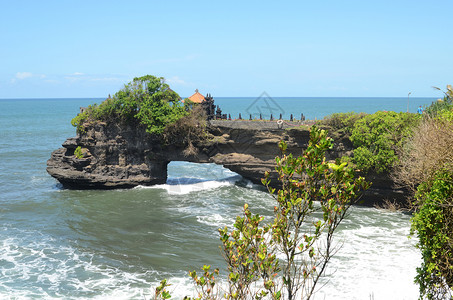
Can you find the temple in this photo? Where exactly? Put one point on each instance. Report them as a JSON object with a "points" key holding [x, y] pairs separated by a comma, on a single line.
{"points": [[207, 104], [196, 98]]}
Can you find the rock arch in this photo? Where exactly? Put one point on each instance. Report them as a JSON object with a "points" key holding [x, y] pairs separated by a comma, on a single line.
{"points": [[124, 157]]}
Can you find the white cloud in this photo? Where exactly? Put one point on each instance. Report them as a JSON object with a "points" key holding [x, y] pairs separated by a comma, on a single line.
{"points": [[72, 78], [76, 76], [51, 81], [176, 80], [23, 75]]}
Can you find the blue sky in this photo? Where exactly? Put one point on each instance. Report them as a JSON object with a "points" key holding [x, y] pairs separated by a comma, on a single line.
{"points": [[235, 48]]}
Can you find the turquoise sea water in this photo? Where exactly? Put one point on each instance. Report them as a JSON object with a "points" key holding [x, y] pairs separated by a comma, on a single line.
{"points": [[314, 108], [63, 244]]}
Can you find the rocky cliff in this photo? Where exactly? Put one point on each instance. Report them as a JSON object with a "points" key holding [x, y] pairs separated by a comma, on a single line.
{"points": [[122, 157]]}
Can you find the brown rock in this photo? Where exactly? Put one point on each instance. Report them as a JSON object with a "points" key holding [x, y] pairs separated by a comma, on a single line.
{"points": [[126, 156]]}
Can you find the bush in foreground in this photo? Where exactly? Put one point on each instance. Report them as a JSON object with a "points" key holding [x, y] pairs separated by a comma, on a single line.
{"points": [[426, 168], [433, 224], [430, 148], [314, 199], [441, 105]]}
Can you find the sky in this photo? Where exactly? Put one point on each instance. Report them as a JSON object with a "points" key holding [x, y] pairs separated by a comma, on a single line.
{"points": [[73, 49]]}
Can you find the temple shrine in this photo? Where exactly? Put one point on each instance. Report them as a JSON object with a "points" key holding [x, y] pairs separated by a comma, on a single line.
{"points": [[207, 102]]}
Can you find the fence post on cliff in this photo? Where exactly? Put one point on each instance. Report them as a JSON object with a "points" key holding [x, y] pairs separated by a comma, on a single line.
{"points": [[261, 116], [250, 117], [240, 117], [229, 117], [291, 118], [302, 117], [272, 118], [280, 116]]}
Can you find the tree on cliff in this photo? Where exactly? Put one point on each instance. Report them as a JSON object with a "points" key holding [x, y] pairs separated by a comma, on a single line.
{"points": [[147, 100]]}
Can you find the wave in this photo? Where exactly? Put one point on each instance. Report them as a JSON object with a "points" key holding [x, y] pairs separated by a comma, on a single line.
{"points": [[46, 270], [186, 185], [216, 220]]}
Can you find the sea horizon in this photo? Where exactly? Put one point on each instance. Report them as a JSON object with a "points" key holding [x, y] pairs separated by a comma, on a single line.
{"points": [[249, 97], [310, 108]]}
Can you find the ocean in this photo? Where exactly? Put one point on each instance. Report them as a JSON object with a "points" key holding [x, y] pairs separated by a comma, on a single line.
{"points": [[69, 244]]}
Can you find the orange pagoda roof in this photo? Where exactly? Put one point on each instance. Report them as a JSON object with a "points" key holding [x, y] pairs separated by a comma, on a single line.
{"points": [[197, 97]]}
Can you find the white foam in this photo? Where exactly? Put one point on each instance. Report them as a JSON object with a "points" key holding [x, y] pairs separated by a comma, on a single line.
{"points": [[60, 272], [374, 261], [215, 220], [202, 177], [186, 188]]}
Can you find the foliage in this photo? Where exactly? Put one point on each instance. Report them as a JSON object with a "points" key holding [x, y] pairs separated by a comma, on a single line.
{"points": [[161, 291], [342, 122], [304, 240], [205, 284], [446, 115], [426, 168], [378, 137], [147, 100], [441, 105], [438, 106], [250, 258], [87, 116], [433, 223], [430, 148], [187, 130], [302, 231], [78, 152]]}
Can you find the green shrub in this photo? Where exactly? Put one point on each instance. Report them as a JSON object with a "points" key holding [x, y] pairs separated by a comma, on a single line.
{"points": [[342, 121], [425, 167], [433, 223], [447, 114], [378, 137], [438, 106], [187, 131], [445, 104], [301, 230], [147, 100], [78, 152]]}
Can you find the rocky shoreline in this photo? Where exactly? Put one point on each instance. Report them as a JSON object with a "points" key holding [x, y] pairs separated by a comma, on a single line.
{"points": [[123, 156]]}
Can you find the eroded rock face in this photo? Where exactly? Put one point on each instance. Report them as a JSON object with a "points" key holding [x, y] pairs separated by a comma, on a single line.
{"points": [[124, 157], [115, 158]]}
